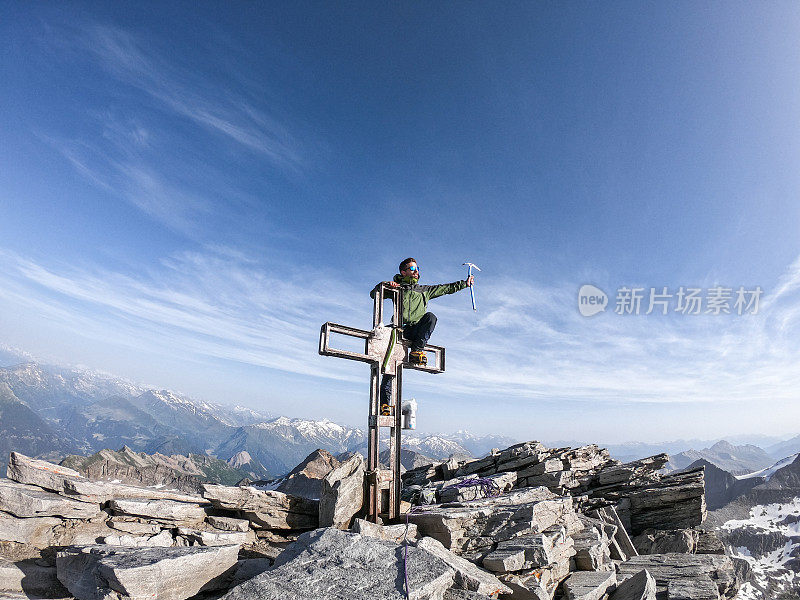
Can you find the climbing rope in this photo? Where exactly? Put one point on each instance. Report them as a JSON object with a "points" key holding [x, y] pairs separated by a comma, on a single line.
{"points": [[418, 509], [488, 486]]}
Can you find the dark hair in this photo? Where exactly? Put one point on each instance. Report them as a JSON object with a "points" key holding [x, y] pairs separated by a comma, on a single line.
{"points": [[405, 263]]}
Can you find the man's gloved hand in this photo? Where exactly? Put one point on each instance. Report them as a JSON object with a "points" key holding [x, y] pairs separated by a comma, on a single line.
{"points": [[470, 280]]}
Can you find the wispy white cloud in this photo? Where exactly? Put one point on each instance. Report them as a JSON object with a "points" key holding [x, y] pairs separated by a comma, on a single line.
{"points": [[208, 304], [531, 342], [528, 341], [126, 57], [173, 169], [119, 169]]}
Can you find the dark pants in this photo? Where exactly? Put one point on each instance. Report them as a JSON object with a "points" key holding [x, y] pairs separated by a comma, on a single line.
{"points": [[418, 334]]}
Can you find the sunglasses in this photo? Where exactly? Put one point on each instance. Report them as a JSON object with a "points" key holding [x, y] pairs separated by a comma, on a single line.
{"points": [[412, 268]]}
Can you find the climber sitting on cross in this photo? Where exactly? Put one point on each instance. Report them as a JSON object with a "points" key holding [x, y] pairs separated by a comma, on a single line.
{"points": [[417, 323]]}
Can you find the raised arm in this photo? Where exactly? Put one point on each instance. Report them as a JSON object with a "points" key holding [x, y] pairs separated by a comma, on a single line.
{"points": [[434, 291]]}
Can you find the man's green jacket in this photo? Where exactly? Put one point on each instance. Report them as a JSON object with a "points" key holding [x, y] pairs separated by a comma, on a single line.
{"points": [[415, 297]]}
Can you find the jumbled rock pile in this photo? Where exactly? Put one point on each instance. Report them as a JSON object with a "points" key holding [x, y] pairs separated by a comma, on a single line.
{"points": [[526, 522], [643, 498], [553, 522], [64, 534]]}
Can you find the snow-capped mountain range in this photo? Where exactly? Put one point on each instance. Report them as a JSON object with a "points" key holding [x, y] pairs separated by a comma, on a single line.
{"points": [[435, 446], [53, 411]]}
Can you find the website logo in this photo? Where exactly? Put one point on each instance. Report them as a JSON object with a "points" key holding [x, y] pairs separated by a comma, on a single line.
{"points": [[591, 300]]}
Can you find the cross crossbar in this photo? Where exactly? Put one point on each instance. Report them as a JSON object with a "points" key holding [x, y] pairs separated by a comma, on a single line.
{"points": [[325, 349], [325, 337]]}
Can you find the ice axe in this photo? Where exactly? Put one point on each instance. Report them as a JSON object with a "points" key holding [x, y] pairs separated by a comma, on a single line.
{"points": [[470, 266]]}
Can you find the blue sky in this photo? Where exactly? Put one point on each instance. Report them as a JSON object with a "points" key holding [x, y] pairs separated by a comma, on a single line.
{"points": [[188, 192]]}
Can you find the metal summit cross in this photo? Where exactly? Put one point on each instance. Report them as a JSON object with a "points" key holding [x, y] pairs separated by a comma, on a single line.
{"points": [[386, 352]]}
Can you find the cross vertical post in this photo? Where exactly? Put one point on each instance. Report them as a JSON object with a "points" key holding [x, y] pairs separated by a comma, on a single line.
{"points": [[386, 352]]}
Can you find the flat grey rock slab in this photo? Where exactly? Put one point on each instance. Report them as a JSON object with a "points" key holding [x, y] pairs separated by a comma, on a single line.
{"points": [[134, 527], [265, 508], [35, 531], [700, 588], [70, 483], [538, 584], [588, 585], [455, 594], [424, 475], [675, 501], [560, 479], [615, 472], [591, 550], [666, 568], [514, 497], [81, 533], [102, 572], [621, 540], [43, 474], [162, 510], [248, 568], [160, 540], [641, 586], [29, 578], [709, 543], [467, 526], [342, 493], [530, 551], [330, 564], [24, 500], [519, 456], [215, 538], [468, 576], [655, 541], [228, 523], [391, 533], [549, 465]]}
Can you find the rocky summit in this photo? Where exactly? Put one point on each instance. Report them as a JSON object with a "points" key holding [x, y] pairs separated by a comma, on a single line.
{"points": [[527, 522]]}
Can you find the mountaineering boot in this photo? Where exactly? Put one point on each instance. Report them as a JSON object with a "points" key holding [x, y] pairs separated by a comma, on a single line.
{"points": [[417, 357], [386, 395]]}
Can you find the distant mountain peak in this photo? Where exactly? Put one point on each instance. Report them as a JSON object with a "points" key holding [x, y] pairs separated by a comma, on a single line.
{"points": [[240, 459], [723, 445], [723, 454]]}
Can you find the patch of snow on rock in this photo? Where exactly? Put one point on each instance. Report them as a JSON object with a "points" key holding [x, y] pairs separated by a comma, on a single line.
{"points": [[769, 471], [770, 570], [771, 517]]}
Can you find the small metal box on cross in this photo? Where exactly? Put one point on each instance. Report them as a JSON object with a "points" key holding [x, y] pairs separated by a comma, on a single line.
{"points": [[386, 352]]}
